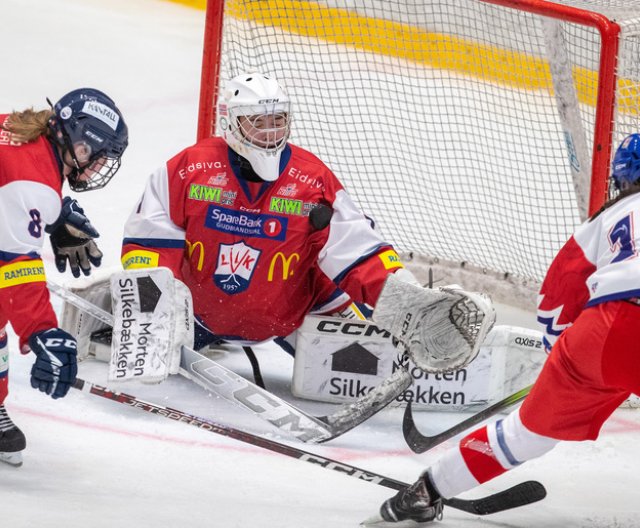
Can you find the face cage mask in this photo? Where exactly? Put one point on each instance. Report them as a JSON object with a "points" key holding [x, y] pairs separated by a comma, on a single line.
{"points": [[99, 172], [249, 130], [98, 169]]}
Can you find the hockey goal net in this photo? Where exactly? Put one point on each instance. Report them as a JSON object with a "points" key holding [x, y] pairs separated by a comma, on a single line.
{"points": [[476, 133]]}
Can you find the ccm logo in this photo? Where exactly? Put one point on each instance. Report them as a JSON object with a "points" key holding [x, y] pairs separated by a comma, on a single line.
{"points": [[354, 329]]}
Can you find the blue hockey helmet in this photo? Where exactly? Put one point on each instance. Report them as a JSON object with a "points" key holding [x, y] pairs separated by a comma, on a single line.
{"points": [[92, 136], [626, 163]]}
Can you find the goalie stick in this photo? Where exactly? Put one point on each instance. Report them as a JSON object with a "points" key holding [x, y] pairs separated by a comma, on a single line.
{"points": [[214, 377], [420, 443], [516, 496]]}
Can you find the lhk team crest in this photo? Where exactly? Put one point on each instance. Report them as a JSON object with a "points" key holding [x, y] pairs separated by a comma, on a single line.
{"points": [[235, 267]]}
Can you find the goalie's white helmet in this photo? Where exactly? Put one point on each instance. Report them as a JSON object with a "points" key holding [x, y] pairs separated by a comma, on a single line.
{"points": [[255, 119]]}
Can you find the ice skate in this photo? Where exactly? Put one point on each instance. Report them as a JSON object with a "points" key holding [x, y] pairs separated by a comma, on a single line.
{"points": [[12, 440], [414, 506]]}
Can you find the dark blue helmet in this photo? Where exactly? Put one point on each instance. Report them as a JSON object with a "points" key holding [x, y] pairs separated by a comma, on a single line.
{"points": [[92, 135], [626, 163]]}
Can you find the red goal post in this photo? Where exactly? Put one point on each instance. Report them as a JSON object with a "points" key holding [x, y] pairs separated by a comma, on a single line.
{"points": [[609, 32], [478, 133]]}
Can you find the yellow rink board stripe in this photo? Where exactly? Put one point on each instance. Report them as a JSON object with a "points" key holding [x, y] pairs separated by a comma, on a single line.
{"points": [[436, 50], [198, 4]]}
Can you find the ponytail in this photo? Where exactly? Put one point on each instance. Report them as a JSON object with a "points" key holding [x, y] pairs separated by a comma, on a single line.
{"points": [[28, 125]]}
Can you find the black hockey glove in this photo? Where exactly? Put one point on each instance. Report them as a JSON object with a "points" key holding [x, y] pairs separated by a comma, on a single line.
{"points": [[56, 367], [72, 239]]}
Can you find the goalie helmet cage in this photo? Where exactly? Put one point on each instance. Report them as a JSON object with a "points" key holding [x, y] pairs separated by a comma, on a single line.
{"points": [[476, 133]]}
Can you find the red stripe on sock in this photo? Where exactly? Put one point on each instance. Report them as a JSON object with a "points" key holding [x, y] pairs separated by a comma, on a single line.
{"points": [[479, 457]]}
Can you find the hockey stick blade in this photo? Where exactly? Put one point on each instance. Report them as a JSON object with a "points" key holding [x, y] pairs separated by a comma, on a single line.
{"points": [[286, 417], [501, 501], [514, 497], [260, 402], [238, 390], [519, 495], [352, 414], [420, 443]]}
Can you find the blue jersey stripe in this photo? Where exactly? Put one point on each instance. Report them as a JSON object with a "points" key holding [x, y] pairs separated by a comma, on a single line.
{"points": [[155, 242], [8, 257]]}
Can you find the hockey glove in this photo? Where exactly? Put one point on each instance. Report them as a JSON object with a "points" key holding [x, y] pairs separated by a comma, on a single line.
{"points": [[55, 368], [72, 239]]}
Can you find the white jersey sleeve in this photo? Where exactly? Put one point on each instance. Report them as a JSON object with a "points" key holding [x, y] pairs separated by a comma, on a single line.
{"points": [[27, 207], [351, 238], [612, 242], [151, 220]]}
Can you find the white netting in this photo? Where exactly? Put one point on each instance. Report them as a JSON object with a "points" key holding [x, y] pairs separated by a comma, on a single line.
{"points": [[440, 117]]}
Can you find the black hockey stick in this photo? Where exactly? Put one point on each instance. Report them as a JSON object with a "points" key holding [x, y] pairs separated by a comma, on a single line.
{"points": [[420, 443], [255, 367], [518, 495]]}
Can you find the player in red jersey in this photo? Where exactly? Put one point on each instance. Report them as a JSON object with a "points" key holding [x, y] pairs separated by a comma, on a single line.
{"points": [[589, 307], [81, 140], [260, 230]]}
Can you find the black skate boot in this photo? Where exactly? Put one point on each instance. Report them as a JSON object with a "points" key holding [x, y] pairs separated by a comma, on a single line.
{"points": [[420, 503], [12, 440]]}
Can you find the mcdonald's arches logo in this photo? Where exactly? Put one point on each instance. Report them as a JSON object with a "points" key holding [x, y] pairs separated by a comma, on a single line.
{"points": [[191, 249], [286, 265]]}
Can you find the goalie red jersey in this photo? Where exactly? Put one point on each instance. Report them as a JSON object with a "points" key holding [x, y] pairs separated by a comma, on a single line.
{"points": [[257, 256], [30, 187]]}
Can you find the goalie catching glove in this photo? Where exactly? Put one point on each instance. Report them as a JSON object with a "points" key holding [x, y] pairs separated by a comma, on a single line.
{"points": [[442, 328], [72, 237]]}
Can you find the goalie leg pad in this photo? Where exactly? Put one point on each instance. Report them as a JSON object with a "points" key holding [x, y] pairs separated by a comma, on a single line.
{"points": [[442, 328]]}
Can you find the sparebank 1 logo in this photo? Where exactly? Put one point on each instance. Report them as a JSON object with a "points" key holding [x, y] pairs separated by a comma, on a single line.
{"points": [[235, 267]]}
